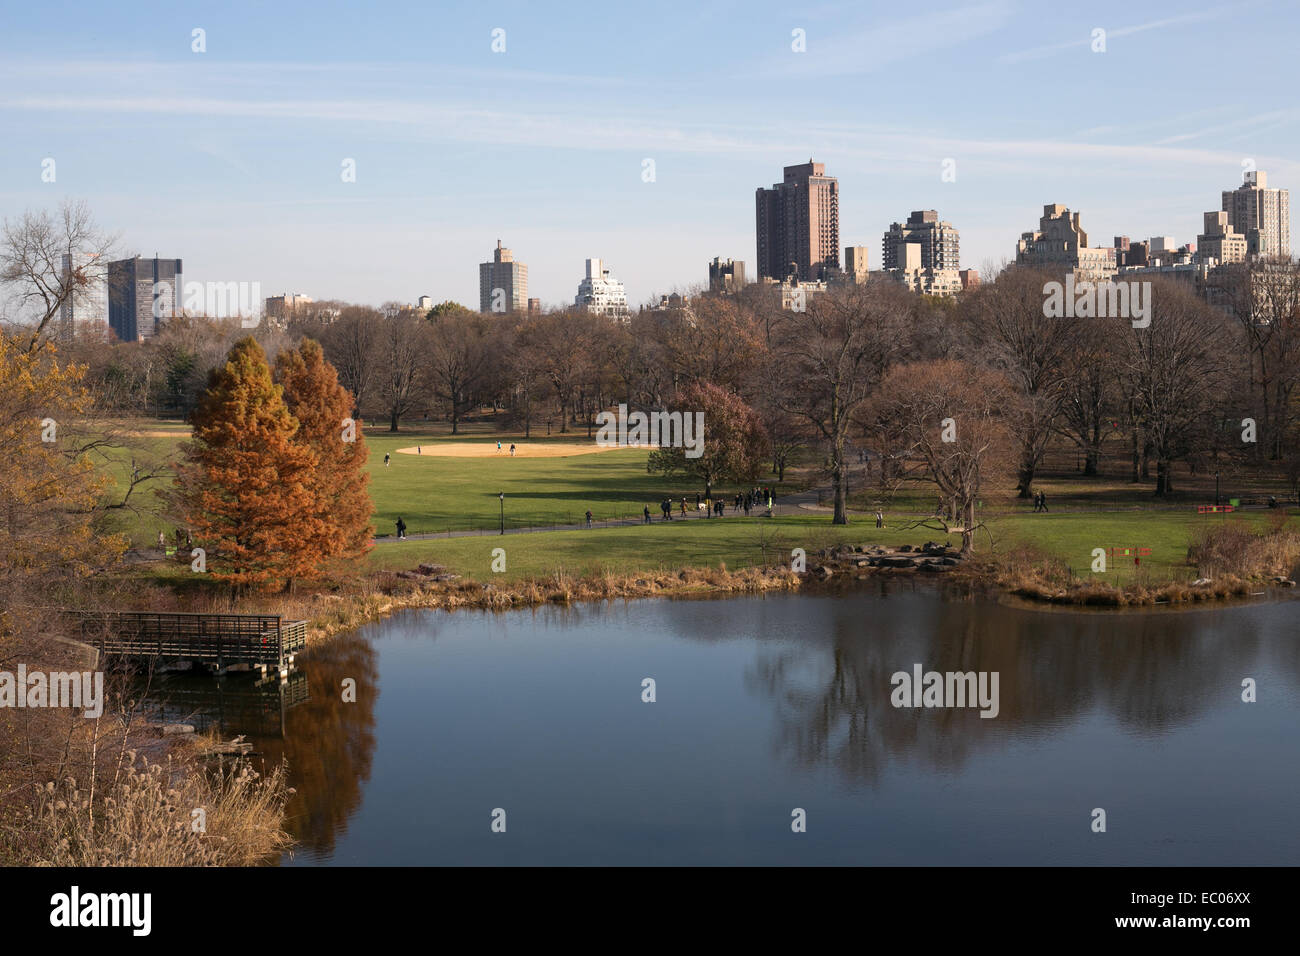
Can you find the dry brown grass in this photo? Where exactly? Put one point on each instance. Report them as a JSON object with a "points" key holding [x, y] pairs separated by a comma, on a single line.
{"points": [[174, 813], [1040, 577], [1239, 550]]}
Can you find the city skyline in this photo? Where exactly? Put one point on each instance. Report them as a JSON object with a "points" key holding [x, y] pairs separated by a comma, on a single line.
{"points": [[282, 216]]}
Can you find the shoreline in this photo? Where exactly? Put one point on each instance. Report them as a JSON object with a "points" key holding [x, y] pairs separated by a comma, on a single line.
{"points": [[432, 587]]}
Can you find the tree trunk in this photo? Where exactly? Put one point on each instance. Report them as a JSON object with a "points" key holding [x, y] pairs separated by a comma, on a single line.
{"points": [[841, 502], [393, 425], [1164, 484], [968, 527], [1025, 480]]}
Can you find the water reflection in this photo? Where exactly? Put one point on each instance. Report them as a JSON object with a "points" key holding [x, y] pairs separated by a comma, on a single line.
{"points": [[327, 742], [763, 694]]}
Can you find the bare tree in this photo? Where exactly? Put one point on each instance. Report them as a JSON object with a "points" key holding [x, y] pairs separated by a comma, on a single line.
{"points": [[1012, 332], [460, 359], [51, 263], [351, 344], [1174, 369], [401, 376], [830, 358], [949, 417]]}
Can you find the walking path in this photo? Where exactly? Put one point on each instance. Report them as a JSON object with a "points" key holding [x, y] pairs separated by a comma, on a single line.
{"points": [[801, 502], [789, 504]]}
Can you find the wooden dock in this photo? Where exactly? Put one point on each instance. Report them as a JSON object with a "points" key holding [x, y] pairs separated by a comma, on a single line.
{"points": [[265, 642]]}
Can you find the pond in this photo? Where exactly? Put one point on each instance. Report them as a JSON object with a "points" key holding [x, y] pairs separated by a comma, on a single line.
{"points": [[766, 706]]}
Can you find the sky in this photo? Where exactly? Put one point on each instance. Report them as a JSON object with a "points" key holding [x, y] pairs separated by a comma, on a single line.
{"points": [[233, 158]]}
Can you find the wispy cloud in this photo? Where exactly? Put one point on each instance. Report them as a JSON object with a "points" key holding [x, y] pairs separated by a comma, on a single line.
{"points": [[1042, 52], [891, 40]]}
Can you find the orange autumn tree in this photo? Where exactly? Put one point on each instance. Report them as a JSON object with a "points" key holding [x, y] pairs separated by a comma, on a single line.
{"points": [[337, 485], [244, 485], [51, 496]]}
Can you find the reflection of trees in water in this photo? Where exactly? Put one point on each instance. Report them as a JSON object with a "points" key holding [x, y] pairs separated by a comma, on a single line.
{"points": [[1149, 672], [328, 743]]}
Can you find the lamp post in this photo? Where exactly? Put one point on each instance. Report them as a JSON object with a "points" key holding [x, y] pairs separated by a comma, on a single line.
{"points": [[503, 512], [1216, 489]]}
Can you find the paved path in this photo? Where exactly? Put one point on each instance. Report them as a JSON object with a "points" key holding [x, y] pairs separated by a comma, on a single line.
{"points": [[802, 502], [789, 504]]}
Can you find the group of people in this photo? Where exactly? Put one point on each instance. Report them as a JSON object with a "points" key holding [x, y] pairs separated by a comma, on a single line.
{"points": [[745, 501], [1040, 501]]}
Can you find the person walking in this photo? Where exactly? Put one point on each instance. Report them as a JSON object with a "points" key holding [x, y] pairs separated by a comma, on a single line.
{"points": [[880, 518], [512, 449], [588, 517], [162, 542], [721, 507], [769, 502], [387, 459], [683, 506], [1042, 501], [498, 448], [646, 510], [666, 507], [418, 451], [401, 529]]}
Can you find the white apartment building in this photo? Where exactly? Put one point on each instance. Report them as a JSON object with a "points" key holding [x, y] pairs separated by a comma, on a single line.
{"points": [[601, 293]]}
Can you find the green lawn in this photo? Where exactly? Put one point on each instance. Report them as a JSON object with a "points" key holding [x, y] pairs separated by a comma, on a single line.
{"points": [[438, 493], [435, 494], [737, 542]]}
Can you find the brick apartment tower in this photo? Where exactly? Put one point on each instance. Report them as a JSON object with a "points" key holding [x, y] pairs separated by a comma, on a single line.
{"points": [[503, 273], [798, 223], [1261, 214]]}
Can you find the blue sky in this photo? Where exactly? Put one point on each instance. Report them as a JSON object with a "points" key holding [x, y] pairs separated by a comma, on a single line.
{"points": [[231, 158]]}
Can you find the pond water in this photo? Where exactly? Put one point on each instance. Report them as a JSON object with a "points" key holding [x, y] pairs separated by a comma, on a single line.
{"points": [[766, 705]]}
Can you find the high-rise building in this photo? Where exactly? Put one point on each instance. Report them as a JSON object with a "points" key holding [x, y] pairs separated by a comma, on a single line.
{"points": [[855, 264], [86, 305], [938, 242], [141, 294], [726, 275], [600, 293], [798, 224], [502, 283], [1221, 241], [1261, 214], [1060, 243], [922, 279]]}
